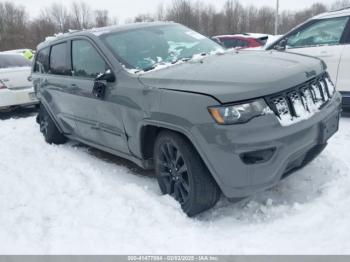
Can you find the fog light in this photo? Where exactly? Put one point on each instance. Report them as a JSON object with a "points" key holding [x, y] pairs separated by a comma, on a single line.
{"points": [[258, 157]]}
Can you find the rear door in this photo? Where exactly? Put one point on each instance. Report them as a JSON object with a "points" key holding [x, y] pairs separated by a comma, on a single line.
{"points": [[54, 88], [98, 120], [322, 39]]}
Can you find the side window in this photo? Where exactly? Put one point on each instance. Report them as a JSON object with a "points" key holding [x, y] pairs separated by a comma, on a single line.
{"points": [[42, 61], [58, 60], [242, 43], [230, 42], [86, 61], [323, 32]]}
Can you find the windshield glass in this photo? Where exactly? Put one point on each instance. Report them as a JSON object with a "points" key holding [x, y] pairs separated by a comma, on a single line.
{"points": [[144, 48], [9, 61]]}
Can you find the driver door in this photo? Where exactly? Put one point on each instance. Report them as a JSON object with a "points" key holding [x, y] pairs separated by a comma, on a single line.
{"points": [[98, 120], [322, 39]]}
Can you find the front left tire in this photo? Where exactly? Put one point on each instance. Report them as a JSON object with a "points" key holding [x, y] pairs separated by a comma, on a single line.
{"points": [[182, 174]]}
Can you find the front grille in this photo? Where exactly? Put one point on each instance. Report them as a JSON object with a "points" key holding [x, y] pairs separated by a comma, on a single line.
{"points": [[303, 101]]}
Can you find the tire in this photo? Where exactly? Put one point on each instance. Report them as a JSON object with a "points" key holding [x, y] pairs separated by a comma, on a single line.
{"points": [[49, 129], [182, 174]]}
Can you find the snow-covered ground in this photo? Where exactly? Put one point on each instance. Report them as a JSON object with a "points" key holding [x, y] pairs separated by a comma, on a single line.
{"points": [[72, 199]]}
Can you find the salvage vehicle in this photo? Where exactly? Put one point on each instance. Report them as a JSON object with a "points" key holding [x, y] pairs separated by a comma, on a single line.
{"points": [[16, 90], [326, 36], [168, 98]]}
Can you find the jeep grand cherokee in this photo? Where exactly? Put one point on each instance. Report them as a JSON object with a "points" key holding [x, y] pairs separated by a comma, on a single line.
{"points": [[169, 99]]}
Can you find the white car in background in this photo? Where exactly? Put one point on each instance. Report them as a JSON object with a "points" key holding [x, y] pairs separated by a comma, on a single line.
{"points": [[326, 36], [15, 88]]}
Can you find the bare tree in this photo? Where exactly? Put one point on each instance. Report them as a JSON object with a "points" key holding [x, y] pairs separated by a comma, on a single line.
{"points": [[160, 14], [144, 18], [102, 18], [81, 15], [13, 21], [39, 29], [18, 31], [340, 4], [58, 14]]}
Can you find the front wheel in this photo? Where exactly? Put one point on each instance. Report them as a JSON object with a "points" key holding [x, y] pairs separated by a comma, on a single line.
{"points": [[182, 174]]}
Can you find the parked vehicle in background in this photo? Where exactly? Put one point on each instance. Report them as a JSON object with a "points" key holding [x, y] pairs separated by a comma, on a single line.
{"points": [[169, 99], [326, 36], [237, 41], [15, 88], [27, 53], [261, 37]]}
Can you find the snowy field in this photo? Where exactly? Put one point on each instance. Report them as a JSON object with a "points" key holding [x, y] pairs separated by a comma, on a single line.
{"points": [[72, 199]]}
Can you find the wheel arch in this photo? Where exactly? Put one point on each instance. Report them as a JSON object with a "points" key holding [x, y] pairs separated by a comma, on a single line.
{"points": [[48, 110], [148, 134]]}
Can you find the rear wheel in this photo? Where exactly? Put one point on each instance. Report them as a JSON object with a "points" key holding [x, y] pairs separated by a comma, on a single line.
{"points": [[182, 174], [49, 129]]}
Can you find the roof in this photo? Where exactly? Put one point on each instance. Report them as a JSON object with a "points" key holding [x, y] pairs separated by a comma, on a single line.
{"points": [[335, 13], [100, 31]]}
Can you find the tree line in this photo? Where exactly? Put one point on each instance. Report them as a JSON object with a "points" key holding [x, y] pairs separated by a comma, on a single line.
{"points": [[19, 30]]}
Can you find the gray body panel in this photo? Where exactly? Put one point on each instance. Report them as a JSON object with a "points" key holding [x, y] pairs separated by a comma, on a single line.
{"points": [[237, 76], [177, 98]]}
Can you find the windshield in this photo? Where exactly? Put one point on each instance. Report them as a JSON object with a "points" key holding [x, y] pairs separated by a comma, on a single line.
{"points": [[9, 61], [143, 49]]}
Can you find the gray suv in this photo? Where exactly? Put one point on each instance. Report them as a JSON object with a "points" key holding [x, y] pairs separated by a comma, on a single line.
{"points": [[169, 99]]}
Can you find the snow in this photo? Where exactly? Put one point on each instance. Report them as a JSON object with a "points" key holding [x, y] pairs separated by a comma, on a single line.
{"points": [[71, 199], [163, 65], [287, 119]]}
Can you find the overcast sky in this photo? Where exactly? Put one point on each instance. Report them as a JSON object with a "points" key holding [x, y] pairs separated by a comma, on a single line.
{"points": [[124, 9]]}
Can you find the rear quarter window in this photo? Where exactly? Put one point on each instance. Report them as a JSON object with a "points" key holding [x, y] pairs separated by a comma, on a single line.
{"points": [[42, 61], [58, 60]]}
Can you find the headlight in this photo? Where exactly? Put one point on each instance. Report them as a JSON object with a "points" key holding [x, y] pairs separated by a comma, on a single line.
{"points": [[239, 113]]}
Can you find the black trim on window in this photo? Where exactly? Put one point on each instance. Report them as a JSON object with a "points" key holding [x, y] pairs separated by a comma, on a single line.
{"points": [[346, 36]]}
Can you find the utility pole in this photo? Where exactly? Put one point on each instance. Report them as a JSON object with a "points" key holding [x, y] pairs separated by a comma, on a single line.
{"points": [[277, 16]]}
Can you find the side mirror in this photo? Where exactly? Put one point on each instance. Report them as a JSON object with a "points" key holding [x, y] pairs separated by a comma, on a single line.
{"points": [[99, 89], [107, 76], [100, 83], [282, 45]]}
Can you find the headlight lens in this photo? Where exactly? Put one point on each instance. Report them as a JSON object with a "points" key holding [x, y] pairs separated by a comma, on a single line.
{"points": [[239, 113]]}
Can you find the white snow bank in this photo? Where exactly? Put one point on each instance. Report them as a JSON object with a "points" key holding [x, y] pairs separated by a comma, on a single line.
{"points": [[69, 200]]}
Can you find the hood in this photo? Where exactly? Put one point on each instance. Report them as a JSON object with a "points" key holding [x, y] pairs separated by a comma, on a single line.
{"points": [[232, 77]]}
